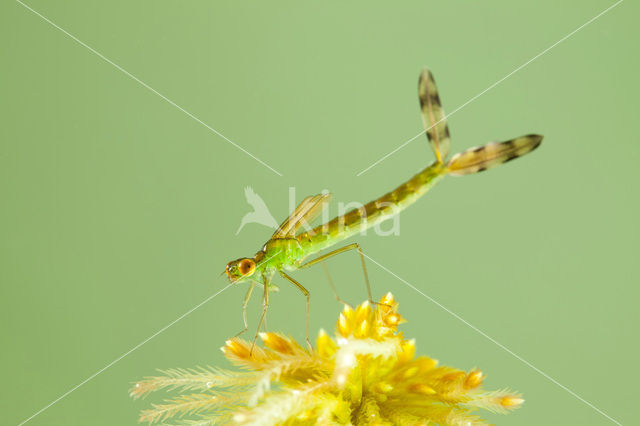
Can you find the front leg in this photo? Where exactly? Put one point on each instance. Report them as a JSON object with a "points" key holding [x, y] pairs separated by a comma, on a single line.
{"points": [[265, 306], [245, 302]]}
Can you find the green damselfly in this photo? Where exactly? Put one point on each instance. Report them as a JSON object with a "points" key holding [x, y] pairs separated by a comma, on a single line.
{"points": [[288, 248]]}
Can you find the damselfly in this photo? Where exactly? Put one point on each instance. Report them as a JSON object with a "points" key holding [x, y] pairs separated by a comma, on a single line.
{"points": [[287, 249]]}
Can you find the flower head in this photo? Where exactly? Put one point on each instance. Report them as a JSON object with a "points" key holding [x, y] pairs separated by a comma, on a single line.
{"points": [[367, 374]]}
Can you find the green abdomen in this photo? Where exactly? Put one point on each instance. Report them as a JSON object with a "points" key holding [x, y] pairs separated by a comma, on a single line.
{"points": [[372, 213]]}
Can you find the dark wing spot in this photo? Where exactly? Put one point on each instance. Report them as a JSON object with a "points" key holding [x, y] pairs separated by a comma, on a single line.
{"points": [[511, 157]]}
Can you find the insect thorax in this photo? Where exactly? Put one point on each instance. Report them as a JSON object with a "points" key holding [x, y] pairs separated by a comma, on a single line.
{"points": [[283, 252]]}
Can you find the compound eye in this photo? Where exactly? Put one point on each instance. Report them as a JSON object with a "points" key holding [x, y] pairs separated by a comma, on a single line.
{"points": [[246, 267]]}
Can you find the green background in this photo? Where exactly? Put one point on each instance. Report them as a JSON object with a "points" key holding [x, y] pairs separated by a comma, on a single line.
{"points": [[119, 211]]}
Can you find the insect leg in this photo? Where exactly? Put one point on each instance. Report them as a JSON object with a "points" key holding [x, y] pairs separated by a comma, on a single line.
{"points": [[245, 302], [307, 295], [354, 246], [331, 283], [265, 306]]}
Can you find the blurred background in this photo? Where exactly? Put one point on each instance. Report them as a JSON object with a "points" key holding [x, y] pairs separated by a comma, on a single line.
{"points": [[119, 211]]}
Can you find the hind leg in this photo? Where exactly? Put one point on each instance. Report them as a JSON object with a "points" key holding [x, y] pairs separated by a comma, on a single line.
{"points": [[308, 296], [331, 283], [354, 246]]}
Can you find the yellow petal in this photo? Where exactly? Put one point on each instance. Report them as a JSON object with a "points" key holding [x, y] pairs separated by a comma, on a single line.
{"points": [[424, 363], [393, 320], [453, 377], [363, 312], [363, 330], [344, 325], [236, 348], [387, 299], [277, 343], [326, 345], [348, 312], [407, 352], [473, 379], [510, 401], [422, 389], [410, 372]]}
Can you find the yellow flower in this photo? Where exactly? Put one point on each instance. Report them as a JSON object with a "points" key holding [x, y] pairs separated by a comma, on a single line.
{"points": [[368, 374]]}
